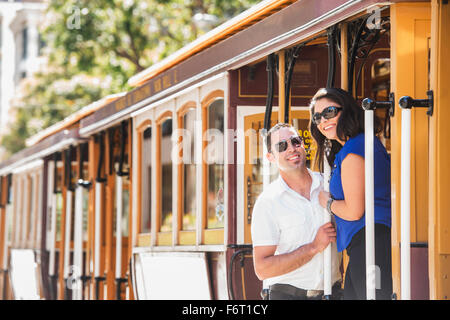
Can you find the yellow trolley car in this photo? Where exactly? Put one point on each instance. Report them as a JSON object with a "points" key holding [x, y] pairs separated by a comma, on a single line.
{"points": [[149, 194]]}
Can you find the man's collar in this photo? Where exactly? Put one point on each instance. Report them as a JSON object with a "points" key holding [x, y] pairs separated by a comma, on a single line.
{"points": [[283, 186]]}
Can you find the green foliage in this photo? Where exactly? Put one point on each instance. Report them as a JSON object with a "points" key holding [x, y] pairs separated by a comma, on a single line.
{"points": [[94, 46]]}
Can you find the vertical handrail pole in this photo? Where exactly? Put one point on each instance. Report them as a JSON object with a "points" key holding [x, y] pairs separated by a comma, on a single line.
{"points": [[266, 166], [97, 227], [97, 216], [67, 238], [405, 203], [369, 205], [327, 252], [406, 103], [52, 255], [119, 209], [78, 242], [369, 107]]}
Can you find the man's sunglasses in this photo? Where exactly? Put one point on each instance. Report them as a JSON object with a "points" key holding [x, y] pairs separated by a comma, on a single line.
{"points": [[282, 145], [327, 113]]}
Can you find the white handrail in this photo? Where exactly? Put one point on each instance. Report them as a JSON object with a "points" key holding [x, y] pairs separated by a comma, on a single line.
{"points": [[69, 195], [98, 208], [369, 205], [327, 280], [119, 209], [78, 243], [405, 203], [53, 201]]}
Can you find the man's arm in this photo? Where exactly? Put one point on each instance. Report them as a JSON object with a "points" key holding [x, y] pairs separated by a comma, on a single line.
{"points": [[268, 265]]}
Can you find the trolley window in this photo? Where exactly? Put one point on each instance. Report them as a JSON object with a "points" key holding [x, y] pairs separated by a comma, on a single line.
{"points": [[188, 171], [213, 169], [146, 179], [187, 174], [164, 179]]}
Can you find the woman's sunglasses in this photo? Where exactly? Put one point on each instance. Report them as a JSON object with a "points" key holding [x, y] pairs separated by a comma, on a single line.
{"points": [[327, 113], [282, 145]]}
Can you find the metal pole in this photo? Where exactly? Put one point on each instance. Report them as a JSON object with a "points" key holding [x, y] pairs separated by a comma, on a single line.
{"points": [[53, 212], [327, 280], [98, 193], [266, 164], [119, 210], [405, 203], [406, 103], [67, 239], [52, 257], [78, 243], [369, 205]]}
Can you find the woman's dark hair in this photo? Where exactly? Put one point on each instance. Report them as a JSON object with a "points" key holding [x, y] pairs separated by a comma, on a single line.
{"points": [[350, 124]]}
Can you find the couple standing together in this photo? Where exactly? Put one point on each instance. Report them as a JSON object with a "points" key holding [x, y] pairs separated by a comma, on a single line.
{"points": [[288, 232]]}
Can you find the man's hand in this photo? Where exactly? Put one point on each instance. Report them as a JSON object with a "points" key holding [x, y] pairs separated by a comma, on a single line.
{"points": [[324, 236], [268, 265]]}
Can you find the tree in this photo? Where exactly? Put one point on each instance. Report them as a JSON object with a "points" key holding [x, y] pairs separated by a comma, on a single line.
{"points": [[94, 46]]}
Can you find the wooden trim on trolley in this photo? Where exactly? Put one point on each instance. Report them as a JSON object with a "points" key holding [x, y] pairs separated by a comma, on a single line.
{"points": [[439, 173], [90, 252], [109, 214], [408, 77]]}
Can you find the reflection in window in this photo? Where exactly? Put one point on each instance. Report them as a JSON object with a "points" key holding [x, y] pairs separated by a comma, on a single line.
{"points": [[189, 177], [166, 176], [146, 176], [214, 155]]}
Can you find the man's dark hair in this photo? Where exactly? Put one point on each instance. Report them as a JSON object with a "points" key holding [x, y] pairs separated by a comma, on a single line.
{"points": [[275, 128]]}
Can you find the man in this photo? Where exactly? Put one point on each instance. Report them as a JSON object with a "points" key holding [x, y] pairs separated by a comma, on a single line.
{"points": [[288, 232]]}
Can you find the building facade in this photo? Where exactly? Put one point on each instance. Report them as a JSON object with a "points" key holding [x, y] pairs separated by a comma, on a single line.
{"points": [[19, 49]]}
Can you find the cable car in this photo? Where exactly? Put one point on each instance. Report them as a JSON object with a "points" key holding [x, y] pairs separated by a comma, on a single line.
{"points": [[149, 194]]}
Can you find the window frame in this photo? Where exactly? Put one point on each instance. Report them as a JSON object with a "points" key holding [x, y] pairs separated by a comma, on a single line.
{"points": [[163, 238], [143, 239], [217, 235], [185, 237]]}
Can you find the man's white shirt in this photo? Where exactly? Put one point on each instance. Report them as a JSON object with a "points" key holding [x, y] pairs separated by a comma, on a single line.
{"points": [[284, 218]]}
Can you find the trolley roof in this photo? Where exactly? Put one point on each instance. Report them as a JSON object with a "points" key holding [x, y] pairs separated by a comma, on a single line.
{"points": [[219, 51]]}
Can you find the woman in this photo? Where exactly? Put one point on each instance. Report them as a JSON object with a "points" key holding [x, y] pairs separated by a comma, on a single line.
{"points": [[337, 125]]}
